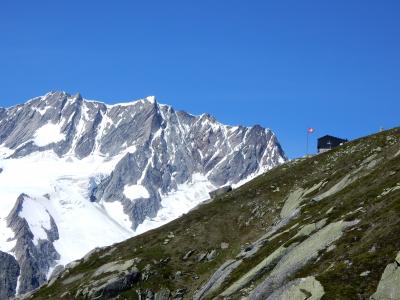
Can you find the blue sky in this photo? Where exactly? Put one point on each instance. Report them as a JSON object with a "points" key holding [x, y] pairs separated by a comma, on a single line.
{"points": [[287, 65]]}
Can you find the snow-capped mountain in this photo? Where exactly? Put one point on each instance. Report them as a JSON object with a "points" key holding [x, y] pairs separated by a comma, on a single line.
{"points": [[77, 174]]}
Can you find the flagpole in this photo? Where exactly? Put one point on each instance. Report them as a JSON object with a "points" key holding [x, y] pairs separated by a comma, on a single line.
{"points": [[307, 144], [310, 130]]}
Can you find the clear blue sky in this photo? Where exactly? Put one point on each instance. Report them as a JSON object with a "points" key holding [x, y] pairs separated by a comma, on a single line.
{"points": [[287, 65]]}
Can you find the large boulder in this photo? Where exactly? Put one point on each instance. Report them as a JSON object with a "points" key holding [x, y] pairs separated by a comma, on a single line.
{"points": [[220, 191], [389, 285], [110, 280]]}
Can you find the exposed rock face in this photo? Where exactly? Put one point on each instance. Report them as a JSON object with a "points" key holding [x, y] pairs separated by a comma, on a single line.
{"points": [[34, 260], [9, 273], [389, 285]]}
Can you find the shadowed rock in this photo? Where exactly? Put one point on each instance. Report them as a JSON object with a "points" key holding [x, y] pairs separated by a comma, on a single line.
{"points": [[9, 272]]}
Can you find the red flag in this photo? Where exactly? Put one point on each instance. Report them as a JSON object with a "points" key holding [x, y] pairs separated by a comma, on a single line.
{"points": [[310, 130]]}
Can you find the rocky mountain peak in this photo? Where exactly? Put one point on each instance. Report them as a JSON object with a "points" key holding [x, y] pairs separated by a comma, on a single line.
{"points": [[94, 174]]}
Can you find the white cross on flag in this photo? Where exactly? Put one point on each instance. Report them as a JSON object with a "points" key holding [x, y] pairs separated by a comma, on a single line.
{"points": [[310, 130]]}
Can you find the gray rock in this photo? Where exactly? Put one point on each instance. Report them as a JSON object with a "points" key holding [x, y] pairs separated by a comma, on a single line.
{"points": [[146, 272], [123, 276], [188, 254], [389, 285], [114, 285], [149, 295], [116, 266], [211, 255], [91, 253], [72, 264], [298, 257], [220, 191], [217, 279], [365, 273], [9, 273], [224, 245], [179, 294], [229, 266], [201, 256], [73, 279], [265, 265], [300, 289], [163, 294], [178, 274]]}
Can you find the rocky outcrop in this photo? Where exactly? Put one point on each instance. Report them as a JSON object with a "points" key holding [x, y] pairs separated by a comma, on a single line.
{"points": [[9, 272], [110, 280], [57, 271], [300, 289], [298, 257], [365, 168], [389, 285], [295, 198], [264, 266], [217, 279], [127, 172], [220, 191], [34, 260], [227, 268]]}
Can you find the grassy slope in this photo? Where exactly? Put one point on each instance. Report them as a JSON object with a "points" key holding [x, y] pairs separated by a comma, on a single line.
{"points": [[243, 215]]}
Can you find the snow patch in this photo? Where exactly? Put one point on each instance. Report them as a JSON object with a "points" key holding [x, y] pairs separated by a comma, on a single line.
{"points": [[18, 284], [151, 99], [42, 111], [136, 191], [47, 134], [130, 149], [7, 243], [179, 202], [37, 217], [116, 211]]}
